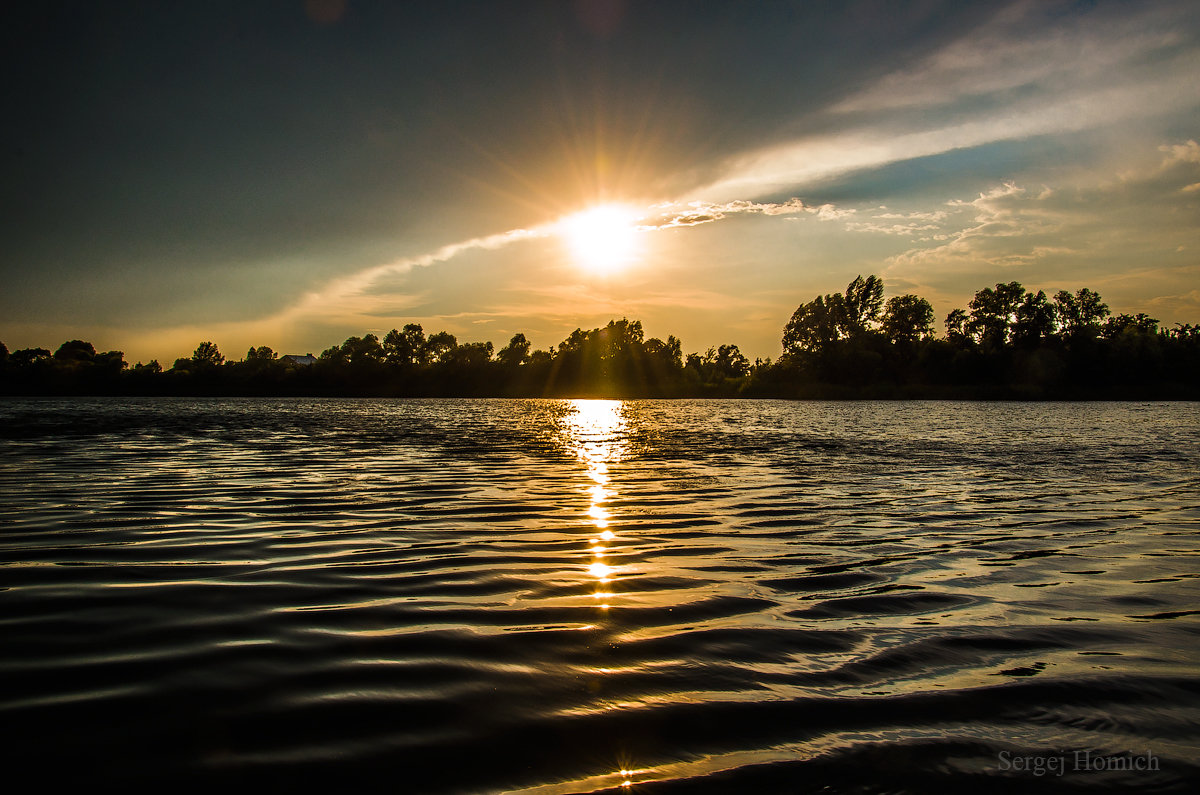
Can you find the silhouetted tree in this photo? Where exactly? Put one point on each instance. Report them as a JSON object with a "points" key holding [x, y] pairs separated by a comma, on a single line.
{"points": [[405, 348], [957, 326], [813, 326], [861, 305], [515, 353], [469, 355], [1034, 319], [621, 338], [907, 318], [717, 366], [29, 357], [415, 337], [439, 347], [729, 361], [111, 362], [207, 355], [667, 354], [1141, 323], [993, 313], [76, 351], [826, 319], [1080, 313], [332, 356], [837, 345], [394, 350], [365, 350], [260, 365]]}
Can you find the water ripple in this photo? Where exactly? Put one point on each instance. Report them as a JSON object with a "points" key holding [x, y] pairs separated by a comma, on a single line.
{"points": [[564, 596]]}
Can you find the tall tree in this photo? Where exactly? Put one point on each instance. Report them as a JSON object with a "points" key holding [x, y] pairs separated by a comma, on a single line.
{"points": [[668, 354], [207, 355], [1141, 323], [1080, 313], [471, 355], [957, 326], [907, 318], [993, 313], [75, 351], [861, 305], [364, 350], [516, 352], [30, 357], [404, 348], [439, 347], [1035, 319], [111, 362], [730, 362], [813, 326]]}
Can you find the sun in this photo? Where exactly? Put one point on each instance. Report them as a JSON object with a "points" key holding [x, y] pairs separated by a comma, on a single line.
{"points": [[603, 238]]}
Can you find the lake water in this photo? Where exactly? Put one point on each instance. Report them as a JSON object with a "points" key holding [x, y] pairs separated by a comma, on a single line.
{"points": [[566, 596]]}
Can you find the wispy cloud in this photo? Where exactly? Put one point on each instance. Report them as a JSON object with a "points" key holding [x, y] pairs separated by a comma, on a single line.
{"points": [[674, 215], [1180, 153], [353, 301], [1134, 234], [360, 294], [1007, 227], [352, 296], [1023, 76], [1021, 51], [904, 224]]}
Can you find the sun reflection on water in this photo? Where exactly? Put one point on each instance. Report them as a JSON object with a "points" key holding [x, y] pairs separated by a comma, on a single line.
{"points": [[595, 430]]}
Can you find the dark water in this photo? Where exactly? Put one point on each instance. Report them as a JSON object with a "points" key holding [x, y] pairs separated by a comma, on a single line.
{"points": [[556, 596]]}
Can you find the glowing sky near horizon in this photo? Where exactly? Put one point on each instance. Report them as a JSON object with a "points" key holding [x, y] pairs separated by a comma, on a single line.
{"points": [[292, 173]]}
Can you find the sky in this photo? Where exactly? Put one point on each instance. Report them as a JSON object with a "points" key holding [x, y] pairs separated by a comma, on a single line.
{"points": [[293, 173]]}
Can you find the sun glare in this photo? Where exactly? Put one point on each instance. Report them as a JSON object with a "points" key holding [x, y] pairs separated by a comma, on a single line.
{"points": [[603, 238]]}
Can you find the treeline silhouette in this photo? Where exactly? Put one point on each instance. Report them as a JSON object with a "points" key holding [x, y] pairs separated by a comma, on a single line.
{"points": [[1008, 343]]}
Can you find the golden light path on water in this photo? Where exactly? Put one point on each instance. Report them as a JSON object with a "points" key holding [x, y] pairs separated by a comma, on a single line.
{"points": [[596, 430]]}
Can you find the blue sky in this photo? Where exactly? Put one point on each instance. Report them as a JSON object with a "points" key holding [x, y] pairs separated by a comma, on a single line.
{"points": [[292, 173]]}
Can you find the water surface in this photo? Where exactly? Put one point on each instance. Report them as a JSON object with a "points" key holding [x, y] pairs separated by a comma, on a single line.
{"points": [[568, 596]]}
